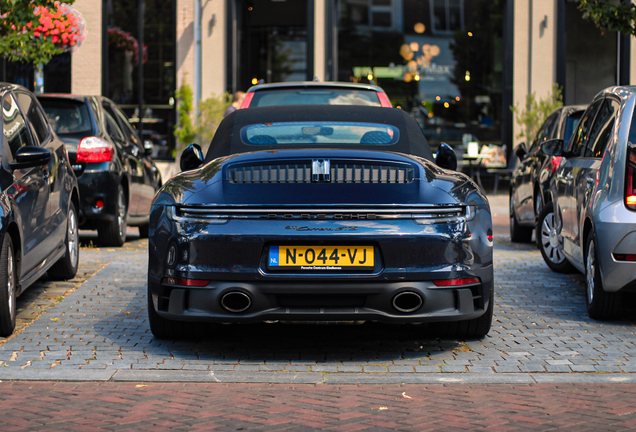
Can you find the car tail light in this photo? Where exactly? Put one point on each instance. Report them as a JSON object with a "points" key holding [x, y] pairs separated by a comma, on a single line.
{"points": [[624, 257], [94, 149], [185, 282], [630, 187], [554, 163], [455, 282], [247, 100], [384, 100]]}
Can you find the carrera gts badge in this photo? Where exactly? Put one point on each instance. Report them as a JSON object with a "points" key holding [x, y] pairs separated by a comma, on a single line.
{"points": [[306, 228], [320, 170]]}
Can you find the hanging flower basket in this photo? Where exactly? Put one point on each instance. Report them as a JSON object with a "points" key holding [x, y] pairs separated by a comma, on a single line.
{"points": [[34, 33], [121, 40], [63, 26]]}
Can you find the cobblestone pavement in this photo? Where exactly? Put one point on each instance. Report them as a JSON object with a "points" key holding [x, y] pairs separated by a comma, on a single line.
{"points": [[436, 407], [541, 333]]}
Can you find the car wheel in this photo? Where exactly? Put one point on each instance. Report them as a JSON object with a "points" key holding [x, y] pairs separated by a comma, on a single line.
{"points": [[518, 233], [8, 284], [144, 230], [66, 267], [163, 328], [467, 329], [600, 303], [550, 242], [113, 233]]}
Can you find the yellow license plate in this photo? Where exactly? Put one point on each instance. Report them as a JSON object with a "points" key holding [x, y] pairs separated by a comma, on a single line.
{"points": [[322, 257]]}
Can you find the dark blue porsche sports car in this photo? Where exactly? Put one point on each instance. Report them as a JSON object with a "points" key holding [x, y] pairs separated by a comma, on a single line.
{"points": [[320, 213]]}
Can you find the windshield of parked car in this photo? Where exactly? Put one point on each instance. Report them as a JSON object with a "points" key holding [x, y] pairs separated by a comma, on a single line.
{"points": [[308, 96], [67, 116], [316, 133]]}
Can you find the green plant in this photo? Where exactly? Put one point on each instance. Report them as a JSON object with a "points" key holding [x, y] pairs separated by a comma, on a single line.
{"points": [[211, 113], [184, 131], [531, 116]]}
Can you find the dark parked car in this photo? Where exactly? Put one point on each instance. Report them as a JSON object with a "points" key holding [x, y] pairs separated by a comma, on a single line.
{"points": [[38, 197], [117, 177], [315, 93], [594, 196], [530, 180], [320, 213]]}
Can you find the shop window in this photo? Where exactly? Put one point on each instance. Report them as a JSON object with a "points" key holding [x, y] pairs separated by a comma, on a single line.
{"points": [[447, 15], [379, 15]]}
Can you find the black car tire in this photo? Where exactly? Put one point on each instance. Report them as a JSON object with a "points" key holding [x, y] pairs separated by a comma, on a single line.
{"points": [[518, 233], [144, 230], [113, 233], [66, 267], [467, 329], [549, 243], [601, 305], [8, 287], [163, 328]]}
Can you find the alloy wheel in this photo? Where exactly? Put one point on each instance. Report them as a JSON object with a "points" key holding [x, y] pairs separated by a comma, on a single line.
{"points": [[121, 213], [590, 268], [551, 240], [73, 242], [11, 281]]}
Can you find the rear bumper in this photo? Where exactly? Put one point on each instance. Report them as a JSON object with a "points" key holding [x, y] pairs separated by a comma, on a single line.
{"points": [[615, 235], [316, 301], [95, 185]]}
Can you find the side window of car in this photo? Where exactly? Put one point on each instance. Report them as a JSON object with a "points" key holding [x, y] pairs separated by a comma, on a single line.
{"points": [[544, 131], [129, 131], [113, 128], [582, 133], [14, 128], [602, 129], [34, 115]]}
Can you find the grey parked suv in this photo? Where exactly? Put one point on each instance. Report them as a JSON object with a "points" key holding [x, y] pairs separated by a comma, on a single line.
{"points": [[594, 195]]}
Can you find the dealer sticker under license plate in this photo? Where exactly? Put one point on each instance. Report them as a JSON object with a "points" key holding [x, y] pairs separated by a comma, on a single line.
{"points": [[322, 257]]}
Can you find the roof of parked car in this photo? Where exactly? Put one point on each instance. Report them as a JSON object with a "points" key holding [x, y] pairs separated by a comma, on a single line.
{"points": [[359, 86]]}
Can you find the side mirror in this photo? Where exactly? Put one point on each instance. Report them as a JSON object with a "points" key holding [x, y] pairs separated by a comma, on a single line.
{"points": [[191, 158], [30, 156], [446, 157], [149, 147], [553, 147], [521, 151]]}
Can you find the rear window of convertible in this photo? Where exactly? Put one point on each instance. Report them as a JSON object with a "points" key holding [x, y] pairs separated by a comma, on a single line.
{"points": [[302, 133]]}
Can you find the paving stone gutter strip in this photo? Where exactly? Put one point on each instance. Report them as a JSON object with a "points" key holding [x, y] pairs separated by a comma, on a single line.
{"points": [[541, 334]]}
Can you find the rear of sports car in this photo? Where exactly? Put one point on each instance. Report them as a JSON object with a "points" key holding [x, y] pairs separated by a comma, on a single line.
{"points": [[321, 235]]}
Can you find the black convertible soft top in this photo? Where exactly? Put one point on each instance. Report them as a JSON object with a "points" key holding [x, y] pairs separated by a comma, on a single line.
{"points": [[227, 139]]}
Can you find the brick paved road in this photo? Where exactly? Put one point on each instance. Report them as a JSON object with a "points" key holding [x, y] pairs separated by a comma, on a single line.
{"points": [[457, 407], [544, 365], [541, 333]]}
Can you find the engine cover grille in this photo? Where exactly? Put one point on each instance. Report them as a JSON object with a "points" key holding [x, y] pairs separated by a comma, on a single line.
{"points": [[341, 172]]}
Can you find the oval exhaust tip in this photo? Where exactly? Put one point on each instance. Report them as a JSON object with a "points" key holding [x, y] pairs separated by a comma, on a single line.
{"points": [[407, 301], [236, 301]]}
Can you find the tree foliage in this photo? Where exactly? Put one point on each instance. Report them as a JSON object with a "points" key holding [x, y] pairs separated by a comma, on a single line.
{"points": [[211, 112], [610, 16], [33, 31], [536, 111], [184, 130]]}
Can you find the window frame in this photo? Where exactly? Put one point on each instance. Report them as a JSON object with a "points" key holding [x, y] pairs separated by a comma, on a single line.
{"points": [[39, 113], [447, 30]]}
